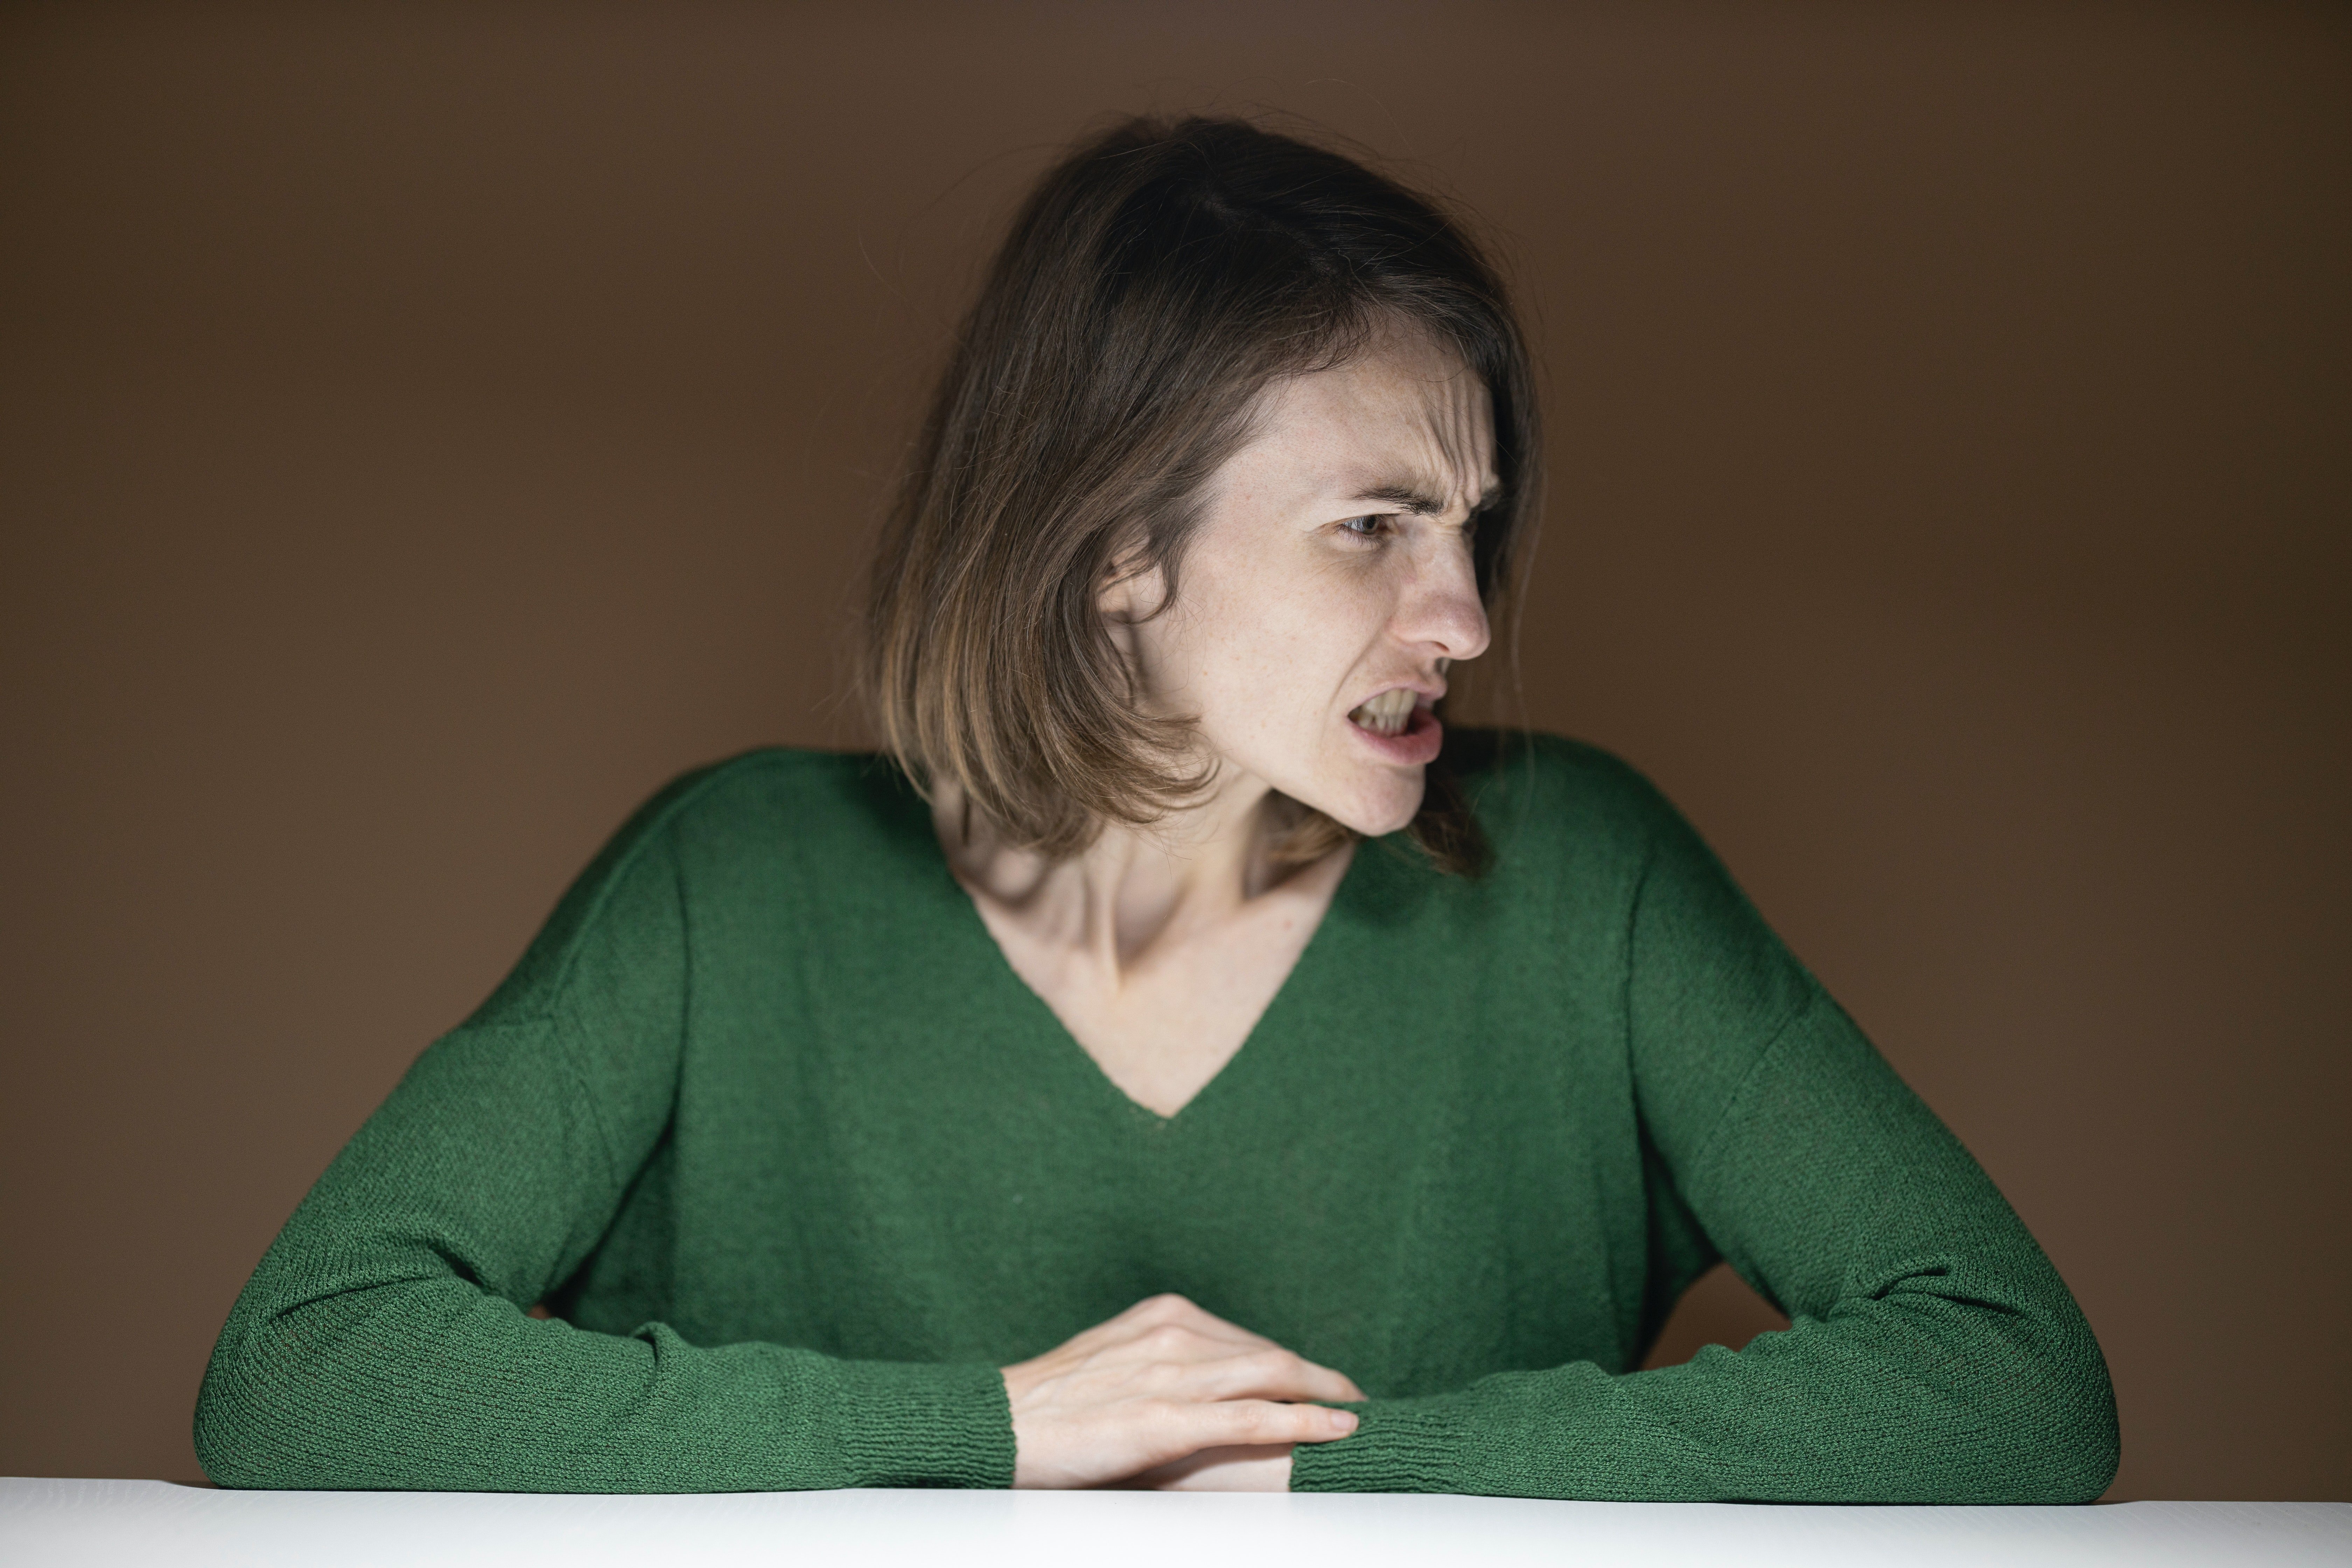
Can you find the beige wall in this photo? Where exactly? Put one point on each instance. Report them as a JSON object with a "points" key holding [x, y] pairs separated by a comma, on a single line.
{"points": [[425, 429]]}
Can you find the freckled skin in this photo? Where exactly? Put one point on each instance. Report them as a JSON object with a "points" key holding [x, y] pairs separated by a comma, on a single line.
{"points": [[1290, 615], [1298, 600]]}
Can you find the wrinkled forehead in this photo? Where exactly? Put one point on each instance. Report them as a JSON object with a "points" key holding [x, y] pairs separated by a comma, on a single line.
{"points": [[1405, 418]]}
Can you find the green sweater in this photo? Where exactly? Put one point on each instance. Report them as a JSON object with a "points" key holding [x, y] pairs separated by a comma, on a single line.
{"points": [[798, 1161]]}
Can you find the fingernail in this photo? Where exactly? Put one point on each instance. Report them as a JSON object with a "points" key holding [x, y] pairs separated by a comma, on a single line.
{"points": [[1342, 1420]]}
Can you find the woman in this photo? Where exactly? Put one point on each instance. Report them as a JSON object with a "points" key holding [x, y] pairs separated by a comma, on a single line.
{"points": [[1074, 1097]]}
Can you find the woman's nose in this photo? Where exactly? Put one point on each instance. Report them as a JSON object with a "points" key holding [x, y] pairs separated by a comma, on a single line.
{"points": [[1442, 611]]}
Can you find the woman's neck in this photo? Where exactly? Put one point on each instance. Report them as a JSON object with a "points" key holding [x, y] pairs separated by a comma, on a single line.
{"points": [[1134, 888]]}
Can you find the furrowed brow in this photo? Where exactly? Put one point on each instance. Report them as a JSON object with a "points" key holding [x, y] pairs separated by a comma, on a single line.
{"points": [[1421, 504], [1404, 497]]}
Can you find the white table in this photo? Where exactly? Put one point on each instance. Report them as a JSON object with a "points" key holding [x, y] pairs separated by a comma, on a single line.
{"points": [[116, 1524]]}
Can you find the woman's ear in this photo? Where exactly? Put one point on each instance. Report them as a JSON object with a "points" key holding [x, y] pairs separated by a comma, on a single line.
{"points": [[1130, 595], [1130, 591]]}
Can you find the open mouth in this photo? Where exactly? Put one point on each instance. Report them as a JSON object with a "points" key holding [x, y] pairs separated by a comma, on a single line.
{"points": [[1387, 714], [1400, 726], [1401, 729]]}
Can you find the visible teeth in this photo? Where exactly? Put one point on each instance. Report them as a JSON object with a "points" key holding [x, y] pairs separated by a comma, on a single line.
{"points": [[1386, 714]]}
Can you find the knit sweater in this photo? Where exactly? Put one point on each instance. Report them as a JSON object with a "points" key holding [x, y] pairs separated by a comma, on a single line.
{"points": [[798, 1161]]}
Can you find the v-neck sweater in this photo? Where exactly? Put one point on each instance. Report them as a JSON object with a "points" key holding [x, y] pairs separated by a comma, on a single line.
{"points": [[797, 1163]]}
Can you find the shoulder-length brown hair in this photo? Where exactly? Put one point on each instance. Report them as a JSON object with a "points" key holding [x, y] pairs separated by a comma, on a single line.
{"points": [[1153, 285]]}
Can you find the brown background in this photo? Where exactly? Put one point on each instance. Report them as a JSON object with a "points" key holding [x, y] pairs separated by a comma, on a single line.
{"points": [[428, 429]]}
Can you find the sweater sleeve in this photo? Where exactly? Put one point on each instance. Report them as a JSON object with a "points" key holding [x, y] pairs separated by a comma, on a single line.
{"points": [[384, 1342], [1933, 1353]]}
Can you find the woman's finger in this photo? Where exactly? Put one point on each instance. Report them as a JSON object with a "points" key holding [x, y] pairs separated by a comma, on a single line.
{"points": [[1266, 1469], [1231, 1423], [1266, 1374]]}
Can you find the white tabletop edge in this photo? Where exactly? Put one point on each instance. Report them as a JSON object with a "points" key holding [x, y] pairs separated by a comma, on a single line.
{"points": [[115, 1523]]}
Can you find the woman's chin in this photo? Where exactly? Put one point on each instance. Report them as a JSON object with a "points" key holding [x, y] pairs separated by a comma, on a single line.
{"points": [[1374, 808]]}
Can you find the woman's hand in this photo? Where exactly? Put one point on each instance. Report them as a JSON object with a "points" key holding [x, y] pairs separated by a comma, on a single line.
{"points": [[1163, 1384], [1260, 1469]]}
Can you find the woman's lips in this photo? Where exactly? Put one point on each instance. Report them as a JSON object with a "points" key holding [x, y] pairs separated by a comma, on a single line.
{"points": [[1415, 747]]}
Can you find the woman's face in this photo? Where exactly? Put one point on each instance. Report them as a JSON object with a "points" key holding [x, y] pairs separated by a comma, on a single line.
{"points": [[1330, 584]]}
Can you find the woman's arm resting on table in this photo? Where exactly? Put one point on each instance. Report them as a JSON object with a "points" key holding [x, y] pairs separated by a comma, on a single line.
{"points": [[1934, 1355], [383, 1341]]}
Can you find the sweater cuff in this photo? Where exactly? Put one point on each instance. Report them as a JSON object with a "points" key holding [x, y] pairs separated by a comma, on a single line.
{"points": [[910, 1425], [1400, 1446]]}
